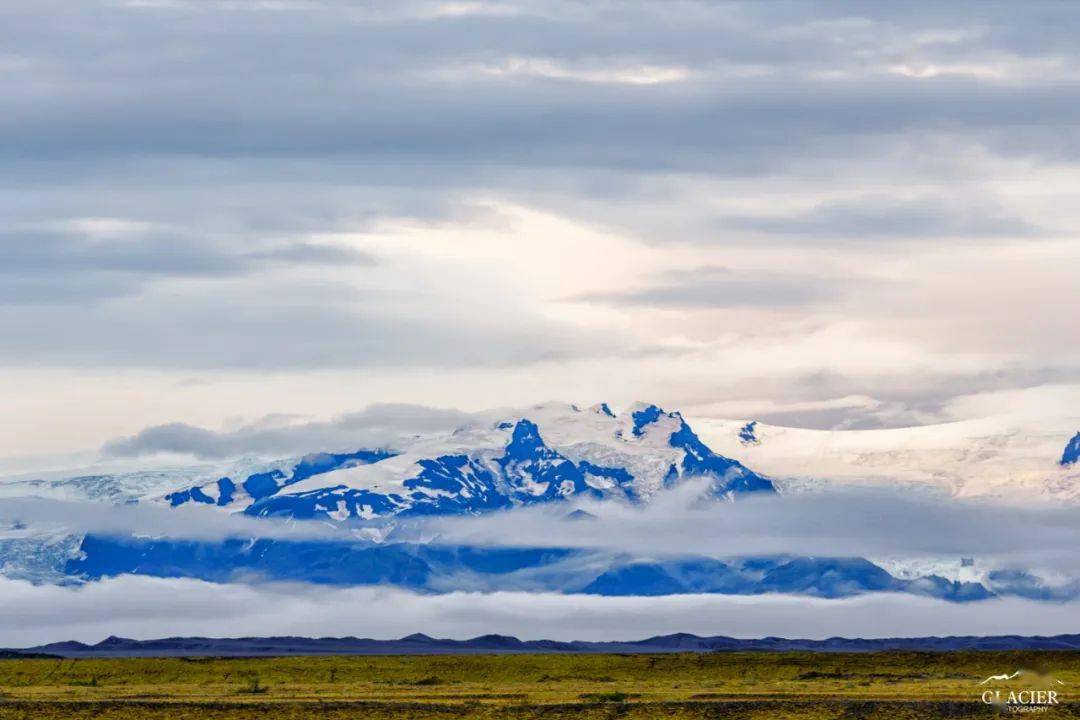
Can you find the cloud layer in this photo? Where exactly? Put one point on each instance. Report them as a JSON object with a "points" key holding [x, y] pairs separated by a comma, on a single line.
{"points": [[896, 524], [374, 427], [144, 608]]}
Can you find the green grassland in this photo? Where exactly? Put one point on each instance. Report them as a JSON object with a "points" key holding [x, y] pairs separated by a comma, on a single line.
{"points": [[691, 685]]}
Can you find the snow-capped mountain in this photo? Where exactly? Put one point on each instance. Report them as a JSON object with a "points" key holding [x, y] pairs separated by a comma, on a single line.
{"points": [[551, 452]]}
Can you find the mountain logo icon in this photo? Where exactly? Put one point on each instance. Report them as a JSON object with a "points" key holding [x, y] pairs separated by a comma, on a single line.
{"points": [[1012, 676]]}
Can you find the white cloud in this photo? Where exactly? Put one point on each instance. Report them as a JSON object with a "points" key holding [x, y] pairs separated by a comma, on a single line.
{"points": [[42, 517], [603, 72], [377, 426], [143, 608], [908, 522]]}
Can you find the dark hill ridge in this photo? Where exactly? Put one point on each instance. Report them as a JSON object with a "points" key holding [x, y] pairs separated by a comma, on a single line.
{"points": [[420, 644]]}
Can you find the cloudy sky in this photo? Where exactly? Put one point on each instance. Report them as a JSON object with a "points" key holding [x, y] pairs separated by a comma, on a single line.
{"points": [[236, 214]]}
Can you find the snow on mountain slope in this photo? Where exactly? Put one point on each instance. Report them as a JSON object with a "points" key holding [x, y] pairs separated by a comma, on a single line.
{"points": [[992, 458], [503, 460], [129, 484], [1072, 451]]}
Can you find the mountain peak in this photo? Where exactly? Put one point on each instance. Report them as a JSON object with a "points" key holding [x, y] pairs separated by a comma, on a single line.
{"points": [[526, 439]]}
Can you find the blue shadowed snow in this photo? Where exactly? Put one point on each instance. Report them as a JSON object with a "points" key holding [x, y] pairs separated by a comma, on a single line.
{"points": [[747, 434], [315, 562], [338, 502], [319, 463], [324, 562], [260, 485], [179, 497], [453, 484], [534, 471], [440, 568], [645, 417], [199, 496], [606, 410], [226, 488], [265, 484], [1072, 451], [699, 460]]}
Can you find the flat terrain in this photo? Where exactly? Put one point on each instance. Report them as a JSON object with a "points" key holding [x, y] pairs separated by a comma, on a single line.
{"points": [[691, 685]]}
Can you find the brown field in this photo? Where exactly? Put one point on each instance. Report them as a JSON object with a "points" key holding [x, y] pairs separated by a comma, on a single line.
{"points": [[718, 685]]}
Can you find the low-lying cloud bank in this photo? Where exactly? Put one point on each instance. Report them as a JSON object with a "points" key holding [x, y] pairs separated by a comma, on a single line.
{"points": [[675, 523], [33, 516], [374, 426], [905, 523], [144, 608]]}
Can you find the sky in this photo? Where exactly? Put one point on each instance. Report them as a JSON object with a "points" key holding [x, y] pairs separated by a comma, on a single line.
{"points": [[236, 215]]}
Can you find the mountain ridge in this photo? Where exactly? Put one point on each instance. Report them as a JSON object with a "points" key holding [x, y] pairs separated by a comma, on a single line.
{"points": [[509, 462]]}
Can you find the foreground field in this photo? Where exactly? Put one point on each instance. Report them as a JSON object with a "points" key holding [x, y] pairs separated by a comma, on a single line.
{"points": [[718, 685]]}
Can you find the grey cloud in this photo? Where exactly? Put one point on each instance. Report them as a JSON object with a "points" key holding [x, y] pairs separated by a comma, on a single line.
{"points": [[170, 438], [375, 426], [870, 416], [306, 253], [61, 266], [274, 328], [916, 397], [826, 523], [150, 252], [712, 287], [888, 218], [181, 102], [144, 608]]}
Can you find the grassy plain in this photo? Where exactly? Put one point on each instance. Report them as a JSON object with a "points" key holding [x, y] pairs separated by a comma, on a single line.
{"points": [[891, 685]]}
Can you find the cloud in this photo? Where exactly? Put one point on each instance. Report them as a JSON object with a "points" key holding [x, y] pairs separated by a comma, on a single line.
{"points": [[844, 523], [96, 259], [917, 395], [618, 74], [144, 608], [303, 325], [375, 426], [829, 73], [888, 218], [716, 287], [50, 517]]}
